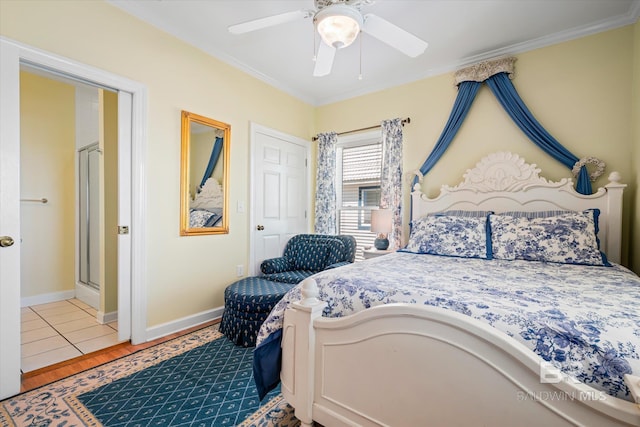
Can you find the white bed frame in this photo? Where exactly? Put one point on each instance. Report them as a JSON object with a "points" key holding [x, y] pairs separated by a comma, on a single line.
{"points": [[411, 365]]}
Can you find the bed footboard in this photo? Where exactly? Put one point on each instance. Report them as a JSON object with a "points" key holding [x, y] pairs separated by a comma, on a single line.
{"points": [[408, 365]]}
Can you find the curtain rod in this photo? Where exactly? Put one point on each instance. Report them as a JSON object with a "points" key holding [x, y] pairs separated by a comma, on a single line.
{"points": [[404, 122]]}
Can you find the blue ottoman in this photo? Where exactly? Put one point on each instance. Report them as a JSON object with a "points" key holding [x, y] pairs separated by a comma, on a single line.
{"points": [[247, 303]]}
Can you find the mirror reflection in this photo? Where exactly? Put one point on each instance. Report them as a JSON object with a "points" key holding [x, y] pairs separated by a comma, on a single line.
{"points": [[205, 171]]}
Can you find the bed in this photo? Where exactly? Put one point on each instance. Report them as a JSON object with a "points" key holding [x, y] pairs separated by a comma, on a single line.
{"points": [[418, 338]]}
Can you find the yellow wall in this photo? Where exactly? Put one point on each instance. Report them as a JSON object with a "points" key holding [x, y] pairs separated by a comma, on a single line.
{"points": [[185, 275], [579, 90], [635, 153], [47, 169]]}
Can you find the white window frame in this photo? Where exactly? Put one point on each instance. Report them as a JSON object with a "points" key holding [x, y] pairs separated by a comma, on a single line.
{"points": [[349, 141]]}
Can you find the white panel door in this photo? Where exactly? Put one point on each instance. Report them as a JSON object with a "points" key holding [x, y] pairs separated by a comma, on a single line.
{"points": [[280, 205], [9, 221]]}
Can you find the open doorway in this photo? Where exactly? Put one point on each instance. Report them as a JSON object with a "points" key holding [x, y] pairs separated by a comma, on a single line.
{"points": [[132, 128], [68, 213]]}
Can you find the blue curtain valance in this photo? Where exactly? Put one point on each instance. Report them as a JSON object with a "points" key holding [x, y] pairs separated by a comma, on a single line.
{"points": [[466, 94], [497, 74], [213, 160], [506, 93]]}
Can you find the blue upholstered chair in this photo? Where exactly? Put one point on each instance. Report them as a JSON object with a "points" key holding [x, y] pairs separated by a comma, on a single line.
{"points": [[307, 254], [248, 301]]}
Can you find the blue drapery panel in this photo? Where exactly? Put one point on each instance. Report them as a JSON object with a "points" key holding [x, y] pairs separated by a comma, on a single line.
{"points": [[466, 94], [213, 160], [325, 184], [506, 93]]}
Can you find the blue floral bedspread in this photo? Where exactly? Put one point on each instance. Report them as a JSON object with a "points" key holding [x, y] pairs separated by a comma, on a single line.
{"points": [[584, 320]]}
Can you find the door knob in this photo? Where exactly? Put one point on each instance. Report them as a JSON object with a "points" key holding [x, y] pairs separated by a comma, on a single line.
{"points": [[260, 227], [6, 241]]}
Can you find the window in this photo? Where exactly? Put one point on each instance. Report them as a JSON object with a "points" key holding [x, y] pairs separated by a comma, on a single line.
{"points": [[359, 161], [368, 197]]}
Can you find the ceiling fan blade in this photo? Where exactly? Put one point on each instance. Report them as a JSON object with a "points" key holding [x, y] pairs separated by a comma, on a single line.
{"points": [[269, 21], [324, 60], [393, 35]]}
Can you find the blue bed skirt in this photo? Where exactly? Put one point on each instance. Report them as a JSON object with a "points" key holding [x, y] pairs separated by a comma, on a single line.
{"points": [[267, 359]]}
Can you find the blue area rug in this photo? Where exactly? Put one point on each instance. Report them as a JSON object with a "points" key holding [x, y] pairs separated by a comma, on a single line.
{"points": [[211, 385], [198, 379]]}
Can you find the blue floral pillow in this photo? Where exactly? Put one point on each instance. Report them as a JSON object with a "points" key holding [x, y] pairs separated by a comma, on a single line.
{"points": [[568, 238], [199, 218], [547, 214], [449, 235]]}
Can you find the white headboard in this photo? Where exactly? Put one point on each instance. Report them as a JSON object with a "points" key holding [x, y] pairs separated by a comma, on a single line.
{"points": [[502, 182]]}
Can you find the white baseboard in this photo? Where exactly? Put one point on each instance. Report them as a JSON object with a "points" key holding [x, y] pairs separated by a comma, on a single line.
{"points": [[46, 298], [88, 295], [105, 318], [165, 329]]}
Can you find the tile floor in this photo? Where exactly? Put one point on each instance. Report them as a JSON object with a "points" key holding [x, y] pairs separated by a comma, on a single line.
{"points": [[62, 330]]}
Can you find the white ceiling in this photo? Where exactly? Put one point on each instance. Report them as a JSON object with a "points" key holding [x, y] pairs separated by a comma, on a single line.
{"points": [[459, 32]]}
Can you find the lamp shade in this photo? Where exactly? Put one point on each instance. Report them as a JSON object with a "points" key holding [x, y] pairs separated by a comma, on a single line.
{"points": [[381, 221], [338, 25]]}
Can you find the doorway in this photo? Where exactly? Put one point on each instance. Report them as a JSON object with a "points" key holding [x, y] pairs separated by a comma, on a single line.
{"points": [[132, 124], [281, 202], [68, 153]]}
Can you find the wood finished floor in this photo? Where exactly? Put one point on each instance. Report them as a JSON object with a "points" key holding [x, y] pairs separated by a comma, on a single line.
{"points": [[49, 374]]}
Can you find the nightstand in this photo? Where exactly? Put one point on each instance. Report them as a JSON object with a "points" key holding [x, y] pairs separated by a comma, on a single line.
{"points": [[373, 252]]}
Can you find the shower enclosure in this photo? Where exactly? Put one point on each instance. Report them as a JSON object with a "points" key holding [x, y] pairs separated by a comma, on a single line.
{"points": [[89, 241]]}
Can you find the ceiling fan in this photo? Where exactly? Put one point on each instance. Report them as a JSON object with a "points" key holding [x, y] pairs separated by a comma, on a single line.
{"points": [[339, 23]]}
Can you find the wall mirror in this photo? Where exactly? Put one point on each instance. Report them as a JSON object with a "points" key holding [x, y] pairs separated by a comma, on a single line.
{"points": [[204, 179]]}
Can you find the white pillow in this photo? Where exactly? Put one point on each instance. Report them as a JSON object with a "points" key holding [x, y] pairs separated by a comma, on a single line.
{"points": [[210, 196]]}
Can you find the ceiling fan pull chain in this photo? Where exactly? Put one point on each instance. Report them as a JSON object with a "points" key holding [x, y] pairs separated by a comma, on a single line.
{"points": [[360, 75], [315, 53]]}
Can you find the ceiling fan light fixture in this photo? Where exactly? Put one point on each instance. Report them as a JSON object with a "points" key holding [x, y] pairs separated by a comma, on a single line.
{"points": [[338, 25]]}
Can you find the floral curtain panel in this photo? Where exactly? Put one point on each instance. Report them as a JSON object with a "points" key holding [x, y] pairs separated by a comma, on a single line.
{"points": [[391, 177], [325, 184]]}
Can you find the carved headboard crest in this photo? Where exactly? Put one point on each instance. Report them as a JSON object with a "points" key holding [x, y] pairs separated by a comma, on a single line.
{"points": [[503, 171]]}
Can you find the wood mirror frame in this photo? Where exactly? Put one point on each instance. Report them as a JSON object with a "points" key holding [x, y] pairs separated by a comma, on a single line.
{"points": [[204, 176]]}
